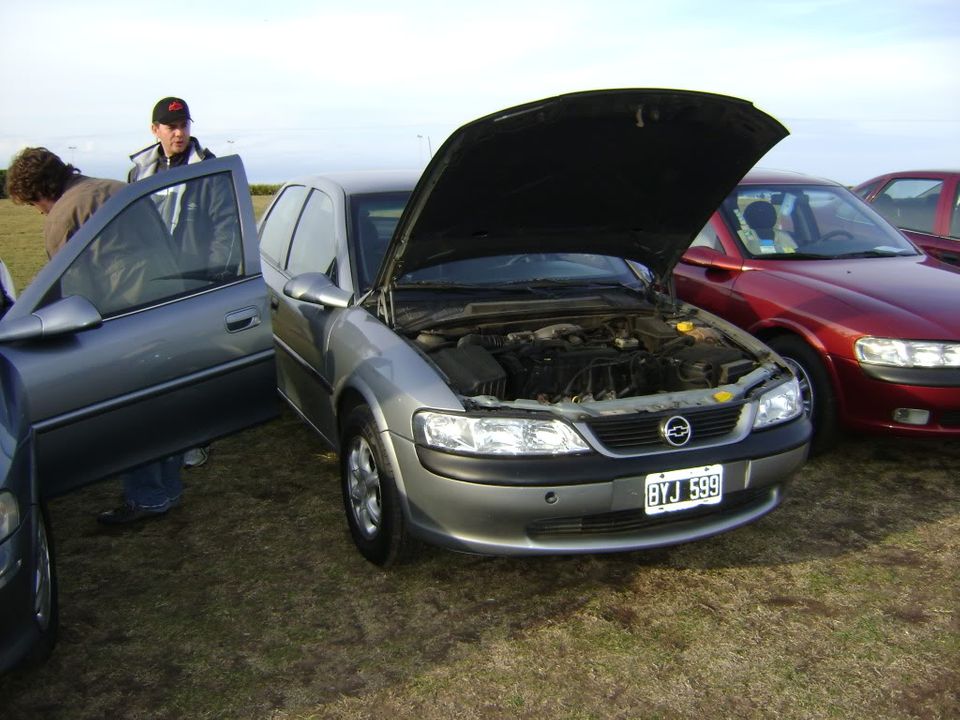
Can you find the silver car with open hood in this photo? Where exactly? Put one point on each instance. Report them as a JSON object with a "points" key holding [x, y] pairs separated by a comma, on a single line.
{"points": [[494, 349]]}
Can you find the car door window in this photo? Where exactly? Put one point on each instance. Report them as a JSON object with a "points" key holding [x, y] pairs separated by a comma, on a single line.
{"points": [[708, 237], [314, 242], [910, 203], [181, 239], [277, 228], [955, 215]]}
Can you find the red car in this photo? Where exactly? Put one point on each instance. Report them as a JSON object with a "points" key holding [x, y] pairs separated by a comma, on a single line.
{"points": [[924, 204], [868, 322]]}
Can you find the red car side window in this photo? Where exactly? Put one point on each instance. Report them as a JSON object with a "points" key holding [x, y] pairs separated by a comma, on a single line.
{"points": [[955, 215], [910, 203]]}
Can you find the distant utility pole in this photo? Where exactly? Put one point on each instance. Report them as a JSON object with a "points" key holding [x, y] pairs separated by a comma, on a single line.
{"points": [[71, 148], [429, 145]]}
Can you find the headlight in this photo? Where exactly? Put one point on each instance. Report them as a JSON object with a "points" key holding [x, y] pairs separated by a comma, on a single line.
{"points": [[496, 435], [779, 405], [9, 514], [907, 353]]}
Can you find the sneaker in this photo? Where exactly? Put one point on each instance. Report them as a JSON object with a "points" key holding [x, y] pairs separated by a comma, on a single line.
{"points": [[196, 457], [128, 513]]}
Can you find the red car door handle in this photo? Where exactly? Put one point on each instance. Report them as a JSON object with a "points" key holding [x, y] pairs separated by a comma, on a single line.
{"points": [[242, 319]]}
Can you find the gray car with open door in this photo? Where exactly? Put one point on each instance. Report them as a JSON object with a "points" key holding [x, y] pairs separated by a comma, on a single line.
{"points": [[125, 349]]}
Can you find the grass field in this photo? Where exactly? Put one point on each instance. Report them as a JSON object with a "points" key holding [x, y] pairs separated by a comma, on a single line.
{"points": [[249, 601]]}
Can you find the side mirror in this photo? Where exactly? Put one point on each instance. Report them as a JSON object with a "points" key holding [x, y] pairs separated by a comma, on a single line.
{"points": [[69, 315], [711, 259], [318, 289]]}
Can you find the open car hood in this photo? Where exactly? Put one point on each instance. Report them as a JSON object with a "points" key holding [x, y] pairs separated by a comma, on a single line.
{"points": [[632, 173]]}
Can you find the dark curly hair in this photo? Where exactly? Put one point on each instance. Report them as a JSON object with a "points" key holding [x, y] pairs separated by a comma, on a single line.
{"points": [[36, 174]]}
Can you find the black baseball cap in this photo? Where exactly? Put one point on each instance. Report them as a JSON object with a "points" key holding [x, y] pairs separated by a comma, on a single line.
{"points": [[171, 110]]}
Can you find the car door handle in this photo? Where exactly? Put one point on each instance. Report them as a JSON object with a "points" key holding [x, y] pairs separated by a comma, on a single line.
{"points": [[242, 319]]}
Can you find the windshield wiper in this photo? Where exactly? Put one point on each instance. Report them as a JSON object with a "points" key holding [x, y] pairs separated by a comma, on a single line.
{"points": [[574, 282], [433, 285], [875, 253], [792, 256]]}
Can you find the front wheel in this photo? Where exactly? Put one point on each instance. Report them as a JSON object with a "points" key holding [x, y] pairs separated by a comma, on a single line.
{"points": [[819, 401], [44, 610], [371, 501]]}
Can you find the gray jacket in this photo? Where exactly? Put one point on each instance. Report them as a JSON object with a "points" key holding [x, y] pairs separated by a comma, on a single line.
{"points": [[201, 215], [151, 160]]}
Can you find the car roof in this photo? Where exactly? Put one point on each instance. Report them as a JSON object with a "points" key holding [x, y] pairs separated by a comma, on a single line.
{"points": [[361, 182], [911, 173], [764, 176]]}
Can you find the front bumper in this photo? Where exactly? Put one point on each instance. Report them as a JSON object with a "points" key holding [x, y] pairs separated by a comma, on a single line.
{"points": [[586, 503], [868, 403]]}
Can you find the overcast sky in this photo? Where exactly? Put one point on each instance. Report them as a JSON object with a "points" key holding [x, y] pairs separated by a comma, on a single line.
{"points": [[303, 86]]}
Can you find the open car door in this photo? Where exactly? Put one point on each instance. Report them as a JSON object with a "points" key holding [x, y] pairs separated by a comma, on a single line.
{"points": [[147, 334]]}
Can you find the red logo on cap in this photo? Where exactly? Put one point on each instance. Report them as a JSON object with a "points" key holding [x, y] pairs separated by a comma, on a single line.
{"points": [[174, 106]]}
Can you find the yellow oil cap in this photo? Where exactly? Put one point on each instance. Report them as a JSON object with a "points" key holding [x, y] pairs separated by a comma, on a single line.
{"points": [[723, 396], [685, 326]]}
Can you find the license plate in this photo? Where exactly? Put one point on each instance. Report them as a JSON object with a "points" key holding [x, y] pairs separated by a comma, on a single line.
{"points": [[683, 489]]}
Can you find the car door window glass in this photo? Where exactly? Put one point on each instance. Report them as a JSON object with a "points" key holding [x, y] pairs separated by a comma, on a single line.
{"points": [[314, 243], [179, 240], [910, 203], [955, 215], [708, 238], [204, 223], [277, 229]]}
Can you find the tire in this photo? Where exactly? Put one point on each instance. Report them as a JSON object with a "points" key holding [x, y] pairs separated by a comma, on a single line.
{"points": [[45, 610], [819, 400], [371, 501]]}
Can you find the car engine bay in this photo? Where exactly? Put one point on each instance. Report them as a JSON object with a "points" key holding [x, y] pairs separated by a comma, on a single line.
{"points": [[585, 359]]}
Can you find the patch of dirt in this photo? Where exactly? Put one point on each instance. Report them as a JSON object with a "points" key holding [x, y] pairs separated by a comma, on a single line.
{"points": [[806, 606]]}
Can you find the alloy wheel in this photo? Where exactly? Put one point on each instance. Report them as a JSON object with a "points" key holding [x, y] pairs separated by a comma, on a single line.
{"points": [[363, 486]]}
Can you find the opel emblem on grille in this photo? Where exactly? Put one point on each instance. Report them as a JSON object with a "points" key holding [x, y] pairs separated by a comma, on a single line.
{"points": [[676, 431]]}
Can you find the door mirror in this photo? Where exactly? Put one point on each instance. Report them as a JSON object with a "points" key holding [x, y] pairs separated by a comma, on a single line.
{"points": [[316, 288], [710, 258], [69, 315]]}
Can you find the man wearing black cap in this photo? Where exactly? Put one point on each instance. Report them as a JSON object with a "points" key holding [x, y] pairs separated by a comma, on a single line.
{"points": [[174, 147], [206, 243], [201, 217]]}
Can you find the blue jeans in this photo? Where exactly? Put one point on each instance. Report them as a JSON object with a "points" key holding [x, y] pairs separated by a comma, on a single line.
{"points": [[155, 486]]}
